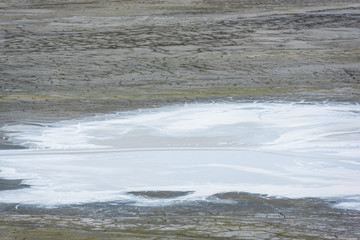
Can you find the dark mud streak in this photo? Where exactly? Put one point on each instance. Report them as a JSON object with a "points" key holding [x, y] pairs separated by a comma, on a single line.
{"points": [[6, 184], [160, 194]]}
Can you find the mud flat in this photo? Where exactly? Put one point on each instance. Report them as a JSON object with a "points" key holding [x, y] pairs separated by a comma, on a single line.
{"points": [[223, 216], [69, 59], [64, 59]]}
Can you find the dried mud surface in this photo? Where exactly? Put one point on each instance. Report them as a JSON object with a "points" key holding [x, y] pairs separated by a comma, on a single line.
{"points": [[64, 59], [74, 58], [223, 216]]}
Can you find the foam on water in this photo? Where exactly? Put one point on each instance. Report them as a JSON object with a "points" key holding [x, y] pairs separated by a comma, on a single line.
{"points": [[281, 149]]}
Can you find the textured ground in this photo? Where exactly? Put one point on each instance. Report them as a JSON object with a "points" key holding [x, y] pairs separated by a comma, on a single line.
{"points": [[231, 216], [61, 59], [67, 58]]}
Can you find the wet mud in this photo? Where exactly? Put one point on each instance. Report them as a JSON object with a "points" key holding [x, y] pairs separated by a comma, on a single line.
{"points": [[160, 194], [14, 184], [70, 59]]}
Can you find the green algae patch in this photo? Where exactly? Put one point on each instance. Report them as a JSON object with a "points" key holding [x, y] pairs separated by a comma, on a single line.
{"points": [[149, 93], [31, 97]]}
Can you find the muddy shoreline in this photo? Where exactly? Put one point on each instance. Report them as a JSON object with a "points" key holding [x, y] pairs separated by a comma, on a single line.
{"points": [[223, 216], [71, 59]]}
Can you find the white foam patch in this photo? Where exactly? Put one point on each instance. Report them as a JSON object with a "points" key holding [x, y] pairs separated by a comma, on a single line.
{"points": [[280, 149]]}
